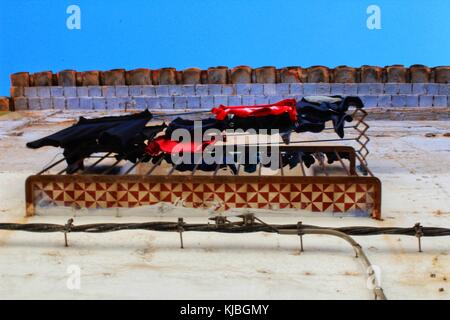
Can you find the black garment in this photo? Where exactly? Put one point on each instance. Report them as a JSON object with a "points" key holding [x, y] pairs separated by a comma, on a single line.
{"points": [[190, 125], [202, 166], [124, 135], [332, 157], [250, 165], [307, 123], [281, 122], [313, 115], [88, 129], [252, 159], [308, 158], [293, 158]]}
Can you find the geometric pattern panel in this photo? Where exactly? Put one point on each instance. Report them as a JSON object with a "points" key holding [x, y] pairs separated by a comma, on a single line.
{"points": [[315, 197]]}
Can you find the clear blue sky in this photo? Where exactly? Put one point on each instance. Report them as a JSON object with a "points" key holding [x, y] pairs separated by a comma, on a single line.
{"points": [[203, 33]]}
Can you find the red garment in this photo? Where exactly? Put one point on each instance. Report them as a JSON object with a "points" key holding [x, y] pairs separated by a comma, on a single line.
{"points": [[288, 105], [161, 144]]}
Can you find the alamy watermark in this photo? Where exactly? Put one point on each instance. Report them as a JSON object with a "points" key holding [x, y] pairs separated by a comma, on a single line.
{"points": [[252, 147], [374, 19], [74, 279], [373, 22], [73, 21]]}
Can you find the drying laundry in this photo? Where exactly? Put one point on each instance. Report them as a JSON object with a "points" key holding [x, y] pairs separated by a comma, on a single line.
{"points": [[279, 116], [293, 158], [192, 125], [163, 145], [130, 139], [332, 157], [249, 159], [257, 111], [201, 165], [314, 112], [308, 115], [123, 135]]}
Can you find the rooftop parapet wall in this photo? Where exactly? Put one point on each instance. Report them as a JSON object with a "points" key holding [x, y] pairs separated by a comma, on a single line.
{"points": [[168, 88], [236, 75]]}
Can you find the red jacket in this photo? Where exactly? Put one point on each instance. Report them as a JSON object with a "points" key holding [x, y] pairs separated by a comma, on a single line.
{"points": [[288, 105]]}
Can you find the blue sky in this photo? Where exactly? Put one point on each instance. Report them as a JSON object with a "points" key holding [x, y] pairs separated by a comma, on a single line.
{"points": [[202, 33]]}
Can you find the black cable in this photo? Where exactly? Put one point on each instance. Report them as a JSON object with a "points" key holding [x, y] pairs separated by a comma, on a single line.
{"points": [[233, 227]]}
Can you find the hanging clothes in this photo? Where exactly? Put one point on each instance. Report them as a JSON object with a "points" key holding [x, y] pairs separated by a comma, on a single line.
{"points": [[308, 115], [163, 145], [314, 112], [293, 158], [332, 157], [193, 165], [274, 109], [281, 122], [124, 135], [127, 135], [250, 159], [279, 116], [192, 125]]}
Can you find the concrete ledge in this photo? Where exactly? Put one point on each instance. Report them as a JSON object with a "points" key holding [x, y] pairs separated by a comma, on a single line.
{"points": [[413, 114]]}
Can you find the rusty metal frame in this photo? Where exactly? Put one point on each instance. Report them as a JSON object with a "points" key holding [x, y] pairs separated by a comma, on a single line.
{"points": [[351, 176], [362, 139], [316, 150]]}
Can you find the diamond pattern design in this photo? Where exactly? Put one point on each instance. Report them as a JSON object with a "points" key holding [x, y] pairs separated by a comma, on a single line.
{"points": [[315, 197]]}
